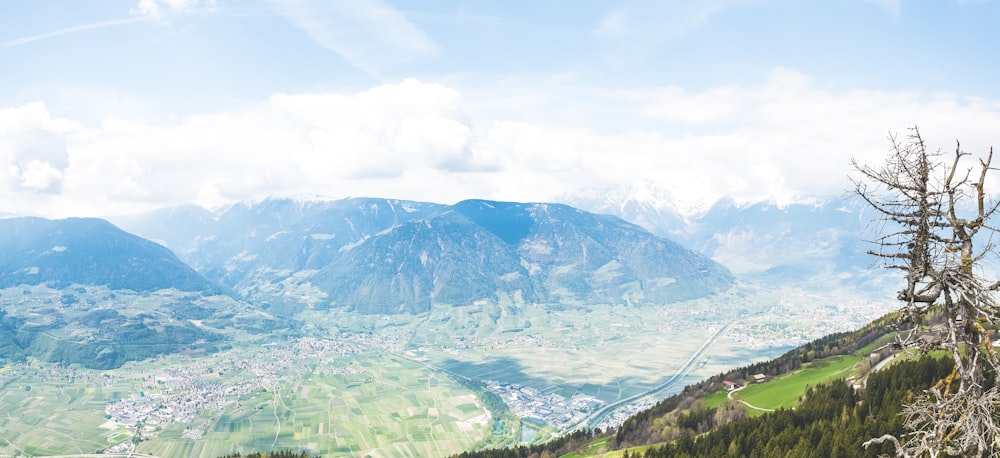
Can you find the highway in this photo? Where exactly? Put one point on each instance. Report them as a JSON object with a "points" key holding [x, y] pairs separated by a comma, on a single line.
{"points": [[594, 419]]}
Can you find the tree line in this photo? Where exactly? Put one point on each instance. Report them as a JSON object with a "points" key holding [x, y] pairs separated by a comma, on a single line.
{"points": [[277, 454], [682, 417], [832, 420], [664, 421]]}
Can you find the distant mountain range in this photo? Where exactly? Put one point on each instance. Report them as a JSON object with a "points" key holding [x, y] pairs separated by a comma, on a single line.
{"points": [[828, 238], [390, 256], [643, 203], [384, 256], [72, 288], [823, 240]]}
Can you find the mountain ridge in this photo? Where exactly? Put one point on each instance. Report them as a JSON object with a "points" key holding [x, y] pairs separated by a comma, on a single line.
{"points": [[89, 251], [527, 251]]}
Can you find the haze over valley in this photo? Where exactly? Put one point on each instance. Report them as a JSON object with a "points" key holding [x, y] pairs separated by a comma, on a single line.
{"points": [[450, 326], [389, 228]]}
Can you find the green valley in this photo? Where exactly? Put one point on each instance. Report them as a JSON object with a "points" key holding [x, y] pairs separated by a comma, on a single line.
{"points": [[340, 383]]}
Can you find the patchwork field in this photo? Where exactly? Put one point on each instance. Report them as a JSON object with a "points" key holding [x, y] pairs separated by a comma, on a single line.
{"points": [[389, 407], [405, 385], [46, 417]]}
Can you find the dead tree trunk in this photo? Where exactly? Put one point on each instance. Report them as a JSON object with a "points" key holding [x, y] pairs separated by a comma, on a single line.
{"points": [[930, 232]]}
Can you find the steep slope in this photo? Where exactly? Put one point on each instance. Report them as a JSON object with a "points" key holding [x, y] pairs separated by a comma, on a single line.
{"points": [[82, 291], [410, 267], [249, 244], [830, 418], [548, 253], [90, 252], [584, 256], [392, 256]]}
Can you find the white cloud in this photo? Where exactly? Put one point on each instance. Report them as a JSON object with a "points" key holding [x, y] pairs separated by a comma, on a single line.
{"points": [[38, 176], [382, 132], [371, 35], [33, 149], [300, 144], [788, 137], [444, 141], [158, 9], [781, 139]]}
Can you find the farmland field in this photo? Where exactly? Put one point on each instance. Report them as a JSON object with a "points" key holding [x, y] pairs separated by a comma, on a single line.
{"points": [[389, 407], [348, 384]]}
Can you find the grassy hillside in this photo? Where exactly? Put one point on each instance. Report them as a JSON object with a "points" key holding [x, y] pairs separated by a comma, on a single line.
{"points": [[807, 398], [831, 420]]}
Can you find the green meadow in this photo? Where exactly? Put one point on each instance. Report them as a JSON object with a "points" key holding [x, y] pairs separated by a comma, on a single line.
{"points": [[784, 391]]}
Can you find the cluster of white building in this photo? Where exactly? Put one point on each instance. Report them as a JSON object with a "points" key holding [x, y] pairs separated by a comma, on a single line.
{"points": [[181, 400], [619, 415], [551, 409], [183, 393]]}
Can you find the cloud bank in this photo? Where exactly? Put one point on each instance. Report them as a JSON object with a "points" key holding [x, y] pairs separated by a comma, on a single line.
{"points": [[782, 139]]}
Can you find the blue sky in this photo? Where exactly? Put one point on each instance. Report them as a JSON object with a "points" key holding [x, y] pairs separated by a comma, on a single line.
{"points": [[118, 106]]}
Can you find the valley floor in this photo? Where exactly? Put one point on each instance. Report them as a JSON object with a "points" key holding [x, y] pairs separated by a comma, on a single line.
{"points": [[392, 386]]}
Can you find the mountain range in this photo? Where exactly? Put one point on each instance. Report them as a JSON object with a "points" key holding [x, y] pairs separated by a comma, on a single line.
{"points": [[390, 256], [278, 257], [393, 256], [822, 241], [82, 290]]}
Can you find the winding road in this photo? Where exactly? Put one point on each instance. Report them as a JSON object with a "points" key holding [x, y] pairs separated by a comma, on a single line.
{"points": [[747, 404]]}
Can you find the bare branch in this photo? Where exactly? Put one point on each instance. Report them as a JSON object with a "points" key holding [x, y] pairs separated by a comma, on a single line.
{"points": [[932, 238]]}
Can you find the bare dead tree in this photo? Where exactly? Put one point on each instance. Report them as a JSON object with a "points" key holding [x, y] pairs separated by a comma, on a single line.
{"points": [[933, 214]]}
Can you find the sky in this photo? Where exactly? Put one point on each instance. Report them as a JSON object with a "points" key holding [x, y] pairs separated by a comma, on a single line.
{"points": [[117, 107]]}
